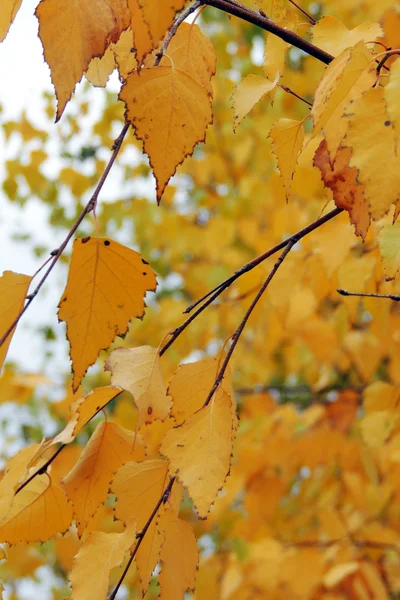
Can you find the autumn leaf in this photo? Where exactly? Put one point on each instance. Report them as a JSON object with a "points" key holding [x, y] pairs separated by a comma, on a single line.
{"points": [[100, 69], [190, 385], [66, 26], [248, 92], [200, 450], [87, 484], [287, 140], [192, 52], [98, 555], [143, 42], [371, 137], [159, 17], [172, 123], [138, 371], [348, 193], [8, 12], [13, 290], [391, 94], [16, 471], [105, 289], [124, 58], [389, 247], [179, 560], [36, 514], [345, 79], [333, 36]]}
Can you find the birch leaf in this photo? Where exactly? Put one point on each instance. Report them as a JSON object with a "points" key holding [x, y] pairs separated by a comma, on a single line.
{"points": [[13, 290], [287, 139], [8, 12], [248, 92]]}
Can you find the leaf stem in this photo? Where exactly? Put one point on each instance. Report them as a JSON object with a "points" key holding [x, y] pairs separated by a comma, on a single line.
{"points": [[365, 295], [140, 536], [305, 13]]}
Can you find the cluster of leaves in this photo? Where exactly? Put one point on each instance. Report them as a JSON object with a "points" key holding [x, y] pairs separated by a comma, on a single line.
{"points": [[310, 506]]}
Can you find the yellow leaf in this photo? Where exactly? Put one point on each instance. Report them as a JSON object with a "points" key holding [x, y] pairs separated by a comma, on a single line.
{"points": [[389, 247], [392, 94], [337, 573], [331, 35], [100, 69], [159, 16], [87, 484], [377, 427], [138, 371], [36, 514], [344, 80], [190, 385], [143, 43], [371, 137], [16, 472], [8, 11], [248, 92], [200, 450], [105, 289], [348, 193], [179, 560], [138, 487], [13, 290], [172, 123], [287, 136], [97, 556], [191, 51], [124, 57], [274, 57], [73, 33]]}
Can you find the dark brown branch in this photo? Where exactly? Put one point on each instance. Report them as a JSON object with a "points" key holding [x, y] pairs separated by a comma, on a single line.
{"points": [[365, 295], [239, 330], [42, 470], [213, 294], [242, 12], [90, 206], [140, 536]]}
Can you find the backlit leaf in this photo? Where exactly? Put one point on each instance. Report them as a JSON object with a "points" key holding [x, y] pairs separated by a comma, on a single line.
{"points": [[389, 246], [172, 122], [392, 94], [13, 290], [105, 289], [138, 371], [200, 450], [36, 514], [87, 484], [8, 12], [100, 69], [98, 555], [159, 16], [332, 36], [248, 92], [179, 560], [287, 136], [16, 472]]}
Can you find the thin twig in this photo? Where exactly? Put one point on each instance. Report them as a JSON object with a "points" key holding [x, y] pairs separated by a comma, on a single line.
{"points": [[42, 470], [289, 91], [365, 295], [213, 294], [305, 13], [88, 208], [251, 16], [140, 536], [173, 29], [239, 330]]}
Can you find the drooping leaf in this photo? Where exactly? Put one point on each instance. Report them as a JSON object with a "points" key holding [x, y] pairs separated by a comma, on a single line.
{"points": [[100, 69], [348, 193], [16, 472], [8, 12], [124, 57], [248, 92], [333, 36], [389, 247], [287, 136], [172, 123], [143, 42], [371, 138], [105, 289], [200, 450], [345, 79], [87, 484], [159, 17], [98, 555], [36, 514], [179, 560], [391, 93], [13, 290], [192, 52], [73, 33], [138, 371]]}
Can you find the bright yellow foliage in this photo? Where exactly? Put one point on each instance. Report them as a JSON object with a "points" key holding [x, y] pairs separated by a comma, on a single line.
{"points": [[13, 290]]}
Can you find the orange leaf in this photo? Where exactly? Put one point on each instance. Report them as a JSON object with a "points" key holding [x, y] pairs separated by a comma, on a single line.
{"points": [[172, 123], [73, 33], [342, 179], [87, 484], [200, 450], [8, 12], [16, 472], [97, 556], [179, 559], [138, 371], [287, 140], [13, 290], [36, 514], [159, 16], [105, 289]]}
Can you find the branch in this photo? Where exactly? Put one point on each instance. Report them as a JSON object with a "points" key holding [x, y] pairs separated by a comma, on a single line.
{"points": [[364, 295], [90, 206], [139, 536], [305, 13], [212, 295], [238, 10]]}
